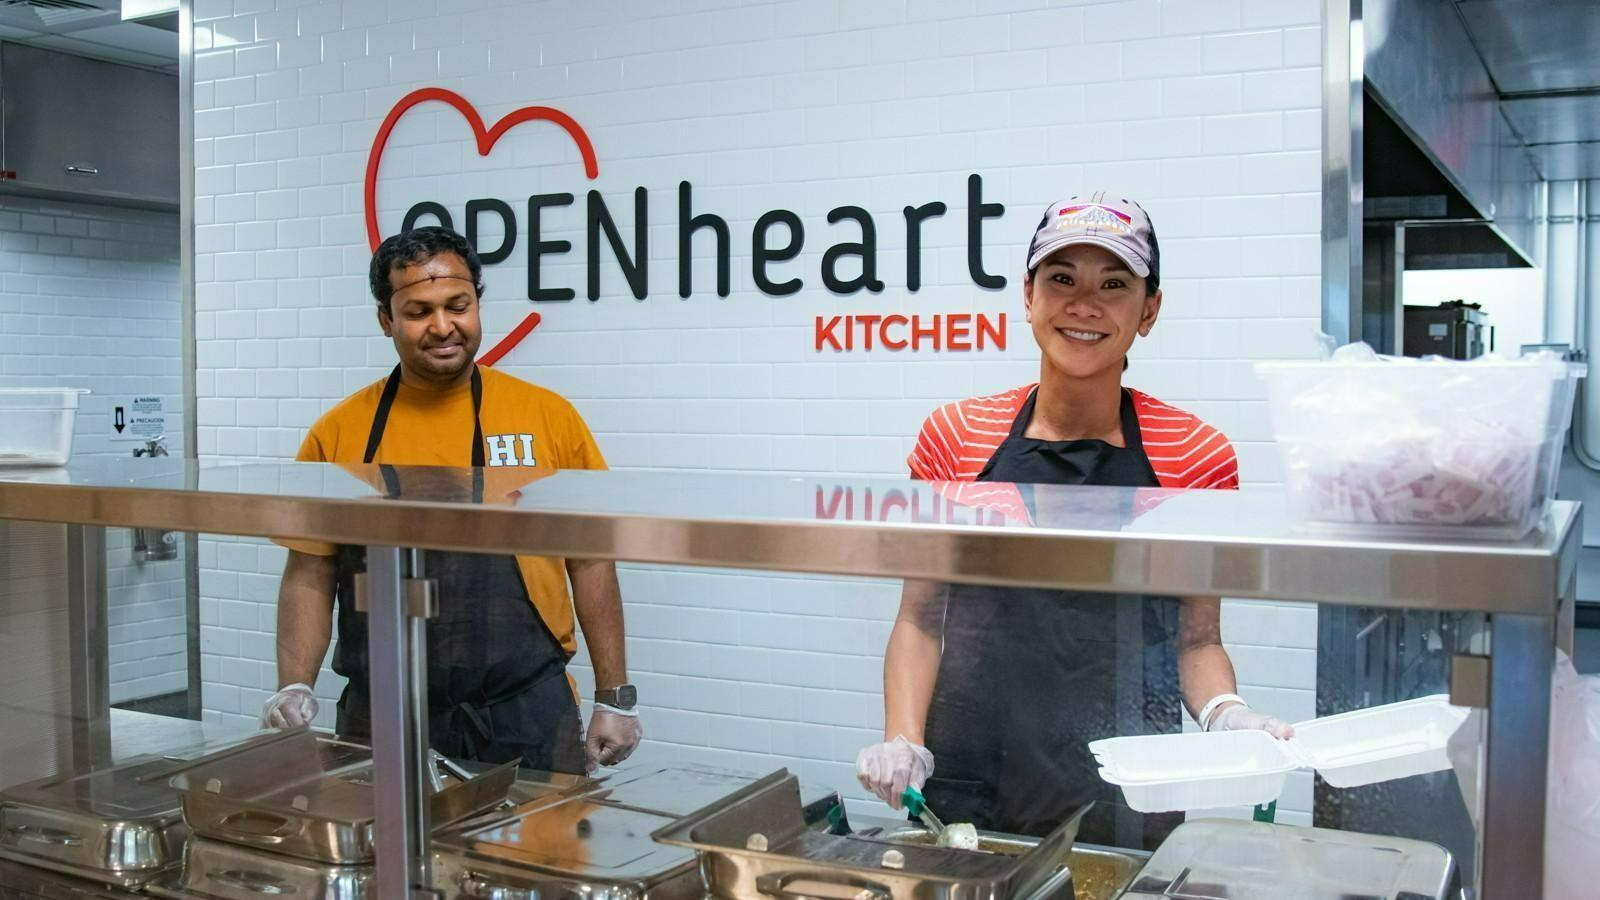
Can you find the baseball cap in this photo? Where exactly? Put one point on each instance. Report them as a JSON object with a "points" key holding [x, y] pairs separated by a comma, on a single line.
{"points": [[1115, 223]]}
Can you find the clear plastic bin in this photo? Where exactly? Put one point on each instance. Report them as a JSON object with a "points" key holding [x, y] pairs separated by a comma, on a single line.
{"points": [[36, 425], [1429, 448]]}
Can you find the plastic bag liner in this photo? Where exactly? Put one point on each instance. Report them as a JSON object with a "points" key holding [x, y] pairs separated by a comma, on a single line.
{"points": [[1572, 811]]}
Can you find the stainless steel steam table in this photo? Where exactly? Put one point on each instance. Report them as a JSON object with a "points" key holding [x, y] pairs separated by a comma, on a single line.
{"points": [[1233, 544]]}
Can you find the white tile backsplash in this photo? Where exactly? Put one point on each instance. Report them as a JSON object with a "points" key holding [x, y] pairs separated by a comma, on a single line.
{"points": [[89, 299], [1201, 109]]}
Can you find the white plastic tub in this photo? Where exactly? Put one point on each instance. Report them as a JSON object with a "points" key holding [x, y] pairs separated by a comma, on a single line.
{"points": [[1181, 772], [1421, 448], [36, 425]]}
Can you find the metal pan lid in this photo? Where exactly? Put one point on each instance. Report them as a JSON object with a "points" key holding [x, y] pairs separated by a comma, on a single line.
{"points": [[121, 793], [669, 791], [1213, 858], [578, 839]]}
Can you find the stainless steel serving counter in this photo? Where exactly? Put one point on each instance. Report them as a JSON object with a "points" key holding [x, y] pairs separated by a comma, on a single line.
{"points": [[1137, 541]]}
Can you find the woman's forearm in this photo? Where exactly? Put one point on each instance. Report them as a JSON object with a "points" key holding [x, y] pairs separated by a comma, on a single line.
{"points": [[911, 661], [1204, 668]]}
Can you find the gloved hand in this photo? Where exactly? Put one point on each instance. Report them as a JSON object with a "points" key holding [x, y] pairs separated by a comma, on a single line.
{"points": [[1238, 717], [888, 769], [290, 707], [613, 735]]}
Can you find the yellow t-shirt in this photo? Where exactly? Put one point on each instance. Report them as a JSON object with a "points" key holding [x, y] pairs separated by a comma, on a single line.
{"points": [[528, 433]]}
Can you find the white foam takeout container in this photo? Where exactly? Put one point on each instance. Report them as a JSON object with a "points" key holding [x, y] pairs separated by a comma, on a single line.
{"points": [[1179, 772]]}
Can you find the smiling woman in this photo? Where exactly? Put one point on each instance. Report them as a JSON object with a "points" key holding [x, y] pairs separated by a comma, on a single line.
{"points": [[1091, 289]]}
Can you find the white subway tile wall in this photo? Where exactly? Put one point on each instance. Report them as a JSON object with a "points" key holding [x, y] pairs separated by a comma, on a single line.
{"points": [[89, 299], [1206, 112]]}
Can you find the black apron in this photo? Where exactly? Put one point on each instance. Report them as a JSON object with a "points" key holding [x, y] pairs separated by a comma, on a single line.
{"points": [[1028, 677], [497, 676]]}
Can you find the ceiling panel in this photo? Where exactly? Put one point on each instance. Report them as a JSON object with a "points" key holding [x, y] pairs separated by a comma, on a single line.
{"points": [[133, 36], [52, 20], [98, 33], [1555, 119], [1568, 162], [1536, 46]]}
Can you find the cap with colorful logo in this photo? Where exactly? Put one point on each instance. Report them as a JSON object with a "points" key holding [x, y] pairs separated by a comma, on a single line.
{"points": [[1117, 224]]}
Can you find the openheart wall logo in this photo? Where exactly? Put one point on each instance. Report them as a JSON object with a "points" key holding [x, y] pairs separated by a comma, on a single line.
{"points": [[486, 139], [773, 246]]}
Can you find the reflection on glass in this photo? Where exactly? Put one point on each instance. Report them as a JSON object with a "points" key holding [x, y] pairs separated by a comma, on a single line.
{"points": [[497, 647], [147, 620]]}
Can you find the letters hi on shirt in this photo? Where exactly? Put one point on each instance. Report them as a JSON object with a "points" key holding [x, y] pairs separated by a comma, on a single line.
{"points": [[509, 450]]}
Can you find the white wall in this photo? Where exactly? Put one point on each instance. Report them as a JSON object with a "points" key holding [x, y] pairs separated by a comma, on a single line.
{"points": [[1207, 112], [89, 299]]}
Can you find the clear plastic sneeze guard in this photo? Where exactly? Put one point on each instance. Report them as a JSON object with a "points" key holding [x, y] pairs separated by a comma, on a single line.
{"points": [[775, 630]]}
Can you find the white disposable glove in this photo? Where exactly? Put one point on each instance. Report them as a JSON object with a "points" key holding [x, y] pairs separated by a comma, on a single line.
{"points": [[1238, 717], [613, 735], [291, 707], [888, 769]]}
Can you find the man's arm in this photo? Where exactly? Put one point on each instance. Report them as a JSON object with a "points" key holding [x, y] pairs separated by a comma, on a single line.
{"points": [[911, 660], [305, 617], [597, 599]]}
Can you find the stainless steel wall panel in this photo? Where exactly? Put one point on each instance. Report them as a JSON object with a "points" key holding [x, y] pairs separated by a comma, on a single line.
{"points": [[1422, 64]]}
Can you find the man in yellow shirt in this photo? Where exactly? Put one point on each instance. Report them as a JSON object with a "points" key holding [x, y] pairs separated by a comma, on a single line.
{"points": [[499, 646]]}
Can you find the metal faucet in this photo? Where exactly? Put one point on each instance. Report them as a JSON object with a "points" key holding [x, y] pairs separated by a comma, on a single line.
{"points": [[153, 544]]}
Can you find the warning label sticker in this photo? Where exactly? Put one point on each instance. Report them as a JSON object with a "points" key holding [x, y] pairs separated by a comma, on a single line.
{"points": [[137, 419]]}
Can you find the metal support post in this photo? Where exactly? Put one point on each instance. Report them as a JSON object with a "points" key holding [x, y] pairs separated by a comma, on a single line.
{"points": [[1343, 86], [88, 629], [399, 728], [1516, 753], [417, 615]]}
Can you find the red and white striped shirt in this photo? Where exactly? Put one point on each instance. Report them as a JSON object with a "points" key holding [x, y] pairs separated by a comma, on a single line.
{"points": [[959, 438]]}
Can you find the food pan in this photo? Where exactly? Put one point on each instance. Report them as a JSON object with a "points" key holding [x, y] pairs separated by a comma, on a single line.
{"points": [[113, 826], [25, 882], [756, 842], [1098, 873], [1209, 859], [576, 848], [289, 794], [213, 870]]}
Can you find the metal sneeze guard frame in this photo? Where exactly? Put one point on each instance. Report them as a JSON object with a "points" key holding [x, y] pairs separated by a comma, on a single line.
{"points": [[1237, 544]]}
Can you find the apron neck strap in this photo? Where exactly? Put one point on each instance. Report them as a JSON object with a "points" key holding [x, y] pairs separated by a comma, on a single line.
{"points": [[1132, 439], [391, 389], [477, 423]]}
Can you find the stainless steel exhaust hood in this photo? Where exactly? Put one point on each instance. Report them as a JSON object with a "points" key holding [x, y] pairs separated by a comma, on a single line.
{"points": [[1440, 150]]}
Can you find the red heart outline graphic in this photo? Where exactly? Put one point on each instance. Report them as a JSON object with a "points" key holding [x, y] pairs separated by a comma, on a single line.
{"points": [[486, 138]]}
